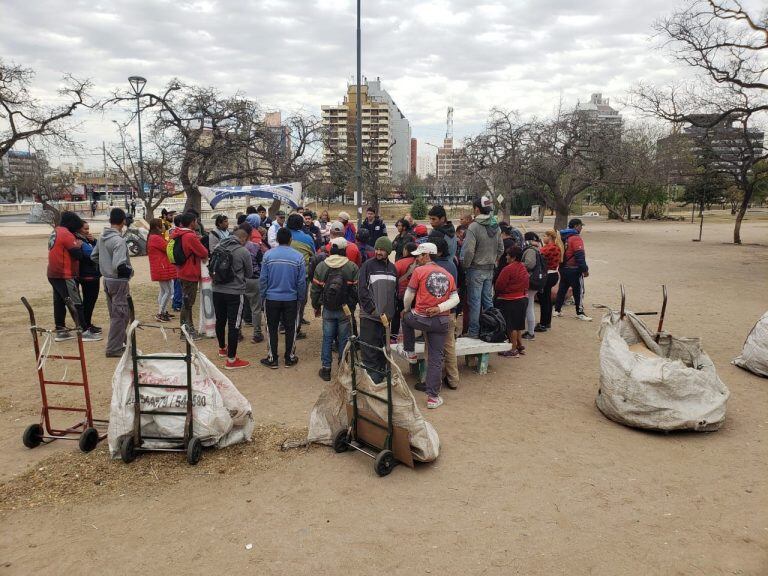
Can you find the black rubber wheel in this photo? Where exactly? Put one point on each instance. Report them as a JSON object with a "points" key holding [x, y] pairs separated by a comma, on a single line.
{"points": [[384, 463], [88, 439], [128, 449], [33, 436], [194, 451], [340, 441]]}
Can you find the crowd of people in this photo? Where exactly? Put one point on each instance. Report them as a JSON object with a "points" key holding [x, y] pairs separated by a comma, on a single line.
{"points": [[264, 272]]}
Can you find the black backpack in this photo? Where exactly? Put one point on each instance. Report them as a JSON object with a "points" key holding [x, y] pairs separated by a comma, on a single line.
{"points": [[175, 251], [335, 290], [538, 276], [492, 326], [221, 266]]}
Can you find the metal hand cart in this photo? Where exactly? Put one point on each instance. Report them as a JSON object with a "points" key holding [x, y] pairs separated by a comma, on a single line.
{"points": [[357, 434], [89, 431], [134, 443], [661, 315]]}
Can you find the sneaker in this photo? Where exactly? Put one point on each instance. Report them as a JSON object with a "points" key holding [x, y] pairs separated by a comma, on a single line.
{"points": [[89, 336], [410, 356], [450, 384], [236, 363], [521, 348], [222, 352], [528, 336], [161, 318], [304, 322], [118, 354], [434, 402], [557, 314], [584, 317], [540, 328], [325, 373], [291, 361], [510, 354], [62, 335], [193, 335], [94, 329], [301, 336], [420, 386], [269, 363], [257, 338]]}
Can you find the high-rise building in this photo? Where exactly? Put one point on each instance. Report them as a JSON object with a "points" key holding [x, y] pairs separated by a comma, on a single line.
{"points": [[414, 146], [19, 164], [425, 165], [599, 110], [451, 162], [386, 132]]}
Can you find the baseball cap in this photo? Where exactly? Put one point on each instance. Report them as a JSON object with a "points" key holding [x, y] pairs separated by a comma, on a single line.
{"points": [[343, 216], [337, 227], [426, 248], [486, 202], [339, 242]]}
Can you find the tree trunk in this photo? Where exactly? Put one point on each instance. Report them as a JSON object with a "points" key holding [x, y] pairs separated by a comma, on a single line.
{"points": [[644, 211], [740, 216], [562, 210], [629, 212]]}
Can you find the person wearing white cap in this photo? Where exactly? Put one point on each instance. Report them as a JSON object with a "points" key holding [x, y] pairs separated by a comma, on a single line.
{"points": [[353, 252], [428, 300], [350, 232]]}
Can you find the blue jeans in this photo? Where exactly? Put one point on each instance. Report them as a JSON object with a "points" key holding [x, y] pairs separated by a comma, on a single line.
{"points": [[479, 296], [335, 325], [177, 297]]}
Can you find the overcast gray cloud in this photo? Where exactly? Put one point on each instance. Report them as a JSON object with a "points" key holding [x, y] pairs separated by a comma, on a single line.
{"points": [[430, 54]]}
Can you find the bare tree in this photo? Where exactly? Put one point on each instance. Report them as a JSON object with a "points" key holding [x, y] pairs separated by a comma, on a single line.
{"points": [[728, 47], [22, 117]]}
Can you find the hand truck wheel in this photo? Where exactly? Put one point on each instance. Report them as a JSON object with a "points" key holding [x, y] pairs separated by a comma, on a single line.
{"points": [[33, 436], [88, 439], [384, 462], [128, 449], [194, 451], [340, 441]]}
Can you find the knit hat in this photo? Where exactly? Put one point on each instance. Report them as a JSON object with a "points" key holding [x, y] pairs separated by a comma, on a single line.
{"points": [[254, 220], [383, 243]]}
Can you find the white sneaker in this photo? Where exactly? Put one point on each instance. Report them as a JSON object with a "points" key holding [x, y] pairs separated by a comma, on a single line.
{"points": [[410, 356], [89, 336], [557, 314], [584, 317], [434, 402]]}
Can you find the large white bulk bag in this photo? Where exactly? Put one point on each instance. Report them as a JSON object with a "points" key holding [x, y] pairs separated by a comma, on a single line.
{"points": [[754, 355], [222, 416], [669, 385]]}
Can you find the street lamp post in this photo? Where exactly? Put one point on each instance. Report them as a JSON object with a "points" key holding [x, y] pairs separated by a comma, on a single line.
{"points": [[359, 132], [137, 85]]}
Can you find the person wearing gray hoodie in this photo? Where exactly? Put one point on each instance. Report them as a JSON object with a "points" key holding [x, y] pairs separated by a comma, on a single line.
{"points": [[111, 255], [230, 266], [480, 251]]}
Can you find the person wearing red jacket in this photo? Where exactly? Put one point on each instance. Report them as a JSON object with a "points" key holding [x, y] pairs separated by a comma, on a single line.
{"points": [[512, 298], [160, 268], [573, 270], [189, 271]]}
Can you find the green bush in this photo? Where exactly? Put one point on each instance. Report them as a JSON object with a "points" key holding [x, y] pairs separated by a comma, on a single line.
{"points": [[419, 208]]}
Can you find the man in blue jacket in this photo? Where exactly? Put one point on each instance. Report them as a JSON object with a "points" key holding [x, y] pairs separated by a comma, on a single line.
{"points": [[283, 286]]}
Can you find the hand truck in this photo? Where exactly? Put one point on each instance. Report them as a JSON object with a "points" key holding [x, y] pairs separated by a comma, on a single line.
{"points": [[350, 437], [86, 432], [134, 443], [661, 316]]}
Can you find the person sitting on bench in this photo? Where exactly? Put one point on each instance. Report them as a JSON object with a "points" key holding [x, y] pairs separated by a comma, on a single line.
{"points": [[432, 292]]}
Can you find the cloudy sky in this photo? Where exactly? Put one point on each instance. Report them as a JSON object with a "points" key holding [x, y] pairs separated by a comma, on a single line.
{"points": [[289, 54]]}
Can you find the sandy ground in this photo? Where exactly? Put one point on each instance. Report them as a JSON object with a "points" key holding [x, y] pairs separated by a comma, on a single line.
{"points": [[532, 479]]}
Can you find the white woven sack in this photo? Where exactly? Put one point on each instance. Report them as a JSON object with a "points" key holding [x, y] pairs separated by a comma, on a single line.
{"points": [[754, 355]]}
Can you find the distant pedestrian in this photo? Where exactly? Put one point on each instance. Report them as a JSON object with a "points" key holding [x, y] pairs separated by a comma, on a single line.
{"points": [[573, 270], [219, 232], [512, 298], [283, 285], [553, 254], [89, 278], [350, 232], [111, 254], [278, 223], [189, 271], [402, 238], [94, 205], [532, 260], [160, 269], [324, 223], [252, 290]]}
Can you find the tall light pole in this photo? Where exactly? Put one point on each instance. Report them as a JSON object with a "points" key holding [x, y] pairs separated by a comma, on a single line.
{"points": [[137, 85], [359, 132]]}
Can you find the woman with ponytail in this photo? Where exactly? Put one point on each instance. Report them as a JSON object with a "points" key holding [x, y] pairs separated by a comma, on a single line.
{"points": [[552, 251]]}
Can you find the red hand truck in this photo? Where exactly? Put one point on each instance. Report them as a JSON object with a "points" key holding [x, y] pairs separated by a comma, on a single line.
{"points": [[85, 431]]}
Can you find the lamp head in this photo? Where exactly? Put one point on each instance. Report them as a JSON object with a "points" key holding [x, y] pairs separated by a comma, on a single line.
{"points": [[137, 84]]}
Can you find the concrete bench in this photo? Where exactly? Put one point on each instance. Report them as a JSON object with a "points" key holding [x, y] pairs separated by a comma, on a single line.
{"points": [[467, 347]]}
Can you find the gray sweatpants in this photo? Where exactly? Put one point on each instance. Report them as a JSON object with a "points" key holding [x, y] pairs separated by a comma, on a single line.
{"points": [[435, 329], [253, 293], [117, 292]]}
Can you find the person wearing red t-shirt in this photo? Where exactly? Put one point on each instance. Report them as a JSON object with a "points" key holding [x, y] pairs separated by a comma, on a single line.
{"points": [[511, 289], [428, 301], [404, 267], [64, 253]]}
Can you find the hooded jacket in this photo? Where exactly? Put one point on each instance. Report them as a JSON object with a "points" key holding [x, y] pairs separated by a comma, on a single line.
{"points": [[111, 254], [483, 244], [88, 269], [160, 268], [377, 289], [349, 272], [242, 266], [448, 232], [574, 256], [193, 250], [376, 229]]}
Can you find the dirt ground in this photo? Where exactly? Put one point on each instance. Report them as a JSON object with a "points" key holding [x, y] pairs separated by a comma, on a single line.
{"points": [[531, 478]]}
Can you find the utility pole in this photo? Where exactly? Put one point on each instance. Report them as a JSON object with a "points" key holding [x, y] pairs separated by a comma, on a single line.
{"points": [[359, 131]]}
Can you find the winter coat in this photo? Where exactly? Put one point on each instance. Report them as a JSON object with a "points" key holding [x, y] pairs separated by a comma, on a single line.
{"points": [[160, 268], [448, 233], [377, 289], [483, 244], [376, 229], [111, 254], [349, 272], [242, 267], [193, 250]]}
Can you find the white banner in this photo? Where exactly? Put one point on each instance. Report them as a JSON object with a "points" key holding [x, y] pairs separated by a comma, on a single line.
{"points": [[287, 193]]}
